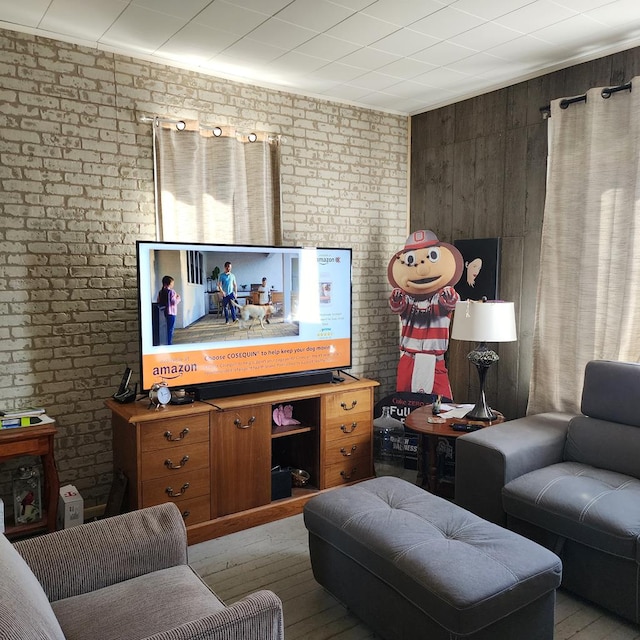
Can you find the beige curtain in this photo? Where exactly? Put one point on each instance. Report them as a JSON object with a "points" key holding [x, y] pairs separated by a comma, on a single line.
{"points": [[588, 304], [223, 189]]}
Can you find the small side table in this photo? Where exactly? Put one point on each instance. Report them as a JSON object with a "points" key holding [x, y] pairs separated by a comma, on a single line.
{"points": [[34, 441], [428, 439]]}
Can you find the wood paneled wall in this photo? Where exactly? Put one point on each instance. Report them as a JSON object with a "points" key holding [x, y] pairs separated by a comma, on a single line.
{"points": [[478, 170]]}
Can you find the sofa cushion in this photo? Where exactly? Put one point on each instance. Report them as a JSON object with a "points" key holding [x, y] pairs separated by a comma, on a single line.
{"points": [[139, 607], [610, 391], [603, 444], [25, 612], [595, 507]]}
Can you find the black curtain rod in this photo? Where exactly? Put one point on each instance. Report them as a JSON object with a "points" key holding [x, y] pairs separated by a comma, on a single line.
{"points": [[607, 92]]}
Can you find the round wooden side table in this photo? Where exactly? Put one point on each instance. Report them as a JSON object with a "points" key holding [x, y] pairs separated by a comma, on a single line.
{"points": [[428, 435]]}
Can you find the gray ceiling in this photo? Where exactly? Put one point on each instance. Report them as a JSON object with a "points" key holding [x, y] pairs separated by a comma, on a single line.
{"points": [[402, 56]]}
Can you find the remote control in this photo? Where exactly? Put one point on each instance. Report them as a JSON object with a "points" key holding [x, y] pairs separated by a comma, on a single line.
{"points": [[465, 427]]}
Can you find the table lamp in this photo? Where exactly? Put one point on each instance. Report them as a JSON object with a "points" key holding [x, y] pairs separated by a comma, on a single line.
{"points": [[482, 322]]}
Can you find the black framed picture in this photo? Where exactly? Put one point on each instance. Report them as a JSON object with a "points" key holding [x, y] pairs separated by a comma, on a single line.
{"points": [[480, 276]]}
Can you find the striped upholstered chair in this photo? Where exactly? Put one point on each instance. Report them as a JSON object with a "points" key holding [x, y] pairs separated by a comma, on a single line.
{"points": [[124, 577]]}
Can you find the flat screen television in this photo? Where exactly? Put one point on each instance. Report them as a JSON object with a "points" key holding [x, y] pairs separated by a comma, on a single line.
{"points": [[304, 336]]}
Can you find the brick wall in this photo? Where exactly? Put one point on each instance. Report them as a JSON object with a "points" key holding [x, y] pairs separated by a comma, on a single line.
{"points": [[76, 192]]}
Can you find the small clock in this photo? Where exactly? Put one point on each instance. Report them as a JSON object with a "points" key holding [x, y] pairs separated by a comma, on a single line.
{"points": [[159, 395]]}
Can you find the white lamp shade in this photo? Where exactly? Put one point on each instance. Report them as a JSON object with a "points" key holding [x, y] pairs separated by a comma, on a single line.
{"points": [[484, 321]]}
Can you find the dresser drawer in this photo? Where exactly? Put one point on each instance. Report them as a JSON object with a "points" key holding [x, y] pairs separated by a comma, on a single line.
{"points": [[173, 432], [351, 470], [164, 463], [342, 406], [194, 510], [352, 425], [184, 484], [341, 451]]}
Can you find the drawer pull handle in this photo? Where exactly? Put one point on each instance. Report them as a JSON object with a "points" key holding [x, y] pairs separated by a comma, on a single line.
{"points": [[347, 476], [186, 514], [181, 436], [239, 424], [183, 488], [170, 465], [346, 429], [346, 453], [353, 405]]}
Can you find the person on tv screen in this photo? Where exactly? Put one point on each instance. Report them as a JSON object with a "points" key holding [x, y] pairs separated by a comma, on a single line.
{"points": [[229, 287], [168, 299], [263, 290]]}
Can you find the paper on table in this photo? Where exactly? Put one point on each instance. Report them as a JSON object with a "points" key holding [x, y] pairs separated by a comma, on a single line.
{"points": [[457, 411]]}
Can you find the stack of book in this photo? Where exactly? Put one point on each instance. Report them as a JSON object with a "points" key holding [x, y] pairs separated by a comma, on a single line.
{"points": [[26, 417]]}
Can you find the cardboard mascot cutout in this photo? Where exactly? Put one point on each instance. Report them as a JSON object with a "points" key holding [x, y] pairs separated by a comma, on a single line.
{"points": [[423, 275]]}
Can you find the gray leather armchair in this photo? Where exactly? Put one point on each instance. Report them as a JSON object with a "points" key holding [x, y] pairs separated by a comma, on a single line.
{"points": [[125, 578], [571, 483]]}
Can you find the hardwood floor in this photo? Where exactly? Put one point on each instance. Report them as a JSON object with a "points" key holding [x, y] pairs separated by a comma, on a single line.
{"points": [[275, 556]]}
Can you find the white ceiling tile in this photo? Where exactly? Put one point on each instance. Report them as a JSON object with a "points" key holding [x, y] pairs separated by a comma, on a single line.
{"points": [[621, 13], [406, 68], [248, 50], [354, 5], [296, 62], [263, 6], [477, 64], [88, 19], [196, 43], [402, 13], [281, 34], [444, 78], [232, 66], [578, 30], [484, 36], [529, 52], [374, 81], [184, 9], [362, 29], [324, 46], [582, 6], [443, 53], [490, 9], [446, 23], [140, 29], [338, 72], [348, 92], [409, 89], [368, 58], [28, 14], [404, 42], [535, 16], [318, 15], [228, 17]]}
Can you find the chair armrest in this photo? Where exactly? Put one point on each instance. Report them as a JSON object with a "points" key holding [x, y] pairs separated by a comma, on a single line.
{"points": [[258, 616], [489, 458], [98, 554]]}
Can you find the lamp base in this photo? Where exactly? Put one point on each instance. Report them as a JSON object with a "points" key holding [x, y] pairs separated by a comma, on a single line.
{"points": [[482, 358]]}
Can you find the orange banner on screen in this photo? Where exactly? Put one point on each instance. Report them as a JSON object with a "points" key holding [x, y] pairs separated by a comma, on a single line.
{"points": [[195, 367]]}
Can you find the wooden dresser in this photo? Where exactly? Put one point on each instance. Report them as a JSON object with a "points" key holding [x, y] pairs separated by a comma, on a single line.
{"points": [[214, 459]]}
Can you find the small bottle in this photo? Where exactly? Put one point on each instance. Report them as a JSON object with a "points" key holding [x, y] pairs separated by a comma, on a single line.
{"points": [[436, 407]]}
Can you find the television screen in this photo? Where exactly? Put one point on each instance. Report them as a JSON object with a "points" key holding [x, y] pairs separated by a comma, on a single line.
{"points": [[290, 312]]}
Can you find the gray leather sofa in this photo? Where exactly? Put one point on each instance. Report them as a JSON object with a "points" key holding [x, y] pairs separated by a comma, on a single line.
{"points": [[571, 483], [122, 578]]}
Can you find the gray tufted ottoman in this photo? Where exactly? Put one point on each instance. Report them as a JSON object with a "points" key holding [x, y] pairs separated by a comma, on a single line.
{"points": [[412, 565]]}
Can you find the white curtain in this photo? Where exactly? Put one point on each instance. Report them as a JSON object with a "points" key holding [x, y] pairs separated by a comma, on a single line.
{"points": [[588, 304], [223, 189]]}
